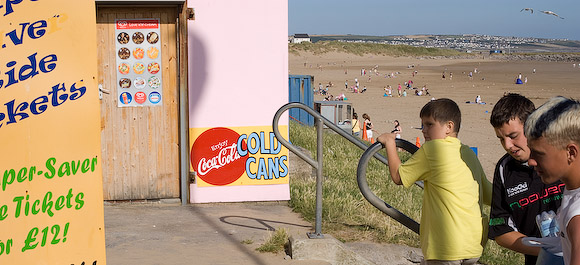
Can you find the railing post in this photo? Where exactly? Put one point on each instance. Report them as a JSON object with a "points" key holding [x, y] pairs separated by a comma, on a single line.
{"points": [[319, 158]]}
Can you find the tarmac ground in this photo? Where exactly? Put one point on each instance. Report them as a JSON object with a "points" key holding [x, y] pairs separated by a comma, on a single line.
{"points": [[225, 233], [218, 233]]}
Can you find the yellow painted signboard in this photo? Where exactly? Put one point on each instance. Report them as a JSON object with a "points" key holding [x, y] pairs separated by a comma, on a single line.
{"points": [[51, 202]]}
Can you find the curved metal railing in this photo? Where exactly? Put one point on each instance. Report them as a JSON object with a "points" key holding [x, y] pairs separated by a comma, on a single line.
{"points": [[319, 121], [374, 199]]}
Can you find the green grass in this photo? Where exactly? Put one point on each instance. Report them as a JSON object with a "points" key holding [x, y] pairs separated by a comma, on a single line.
{"points": [[276, 242], [322, 47], [247, 242], [346, 214]]}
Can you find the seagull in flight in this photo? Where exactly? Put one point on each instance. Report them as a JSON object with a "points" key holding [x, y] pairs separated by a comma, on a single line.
{"points": [[527, 9], [551, 13]]}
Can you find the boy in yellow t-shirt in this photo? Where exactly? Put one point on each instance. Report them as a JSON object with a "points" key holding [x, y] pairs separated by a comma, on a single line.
{"points": [[453, 226]]}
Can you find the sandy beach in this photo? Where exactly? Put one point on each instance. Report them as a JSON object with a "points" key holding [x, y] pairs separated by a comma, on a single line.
{"points": [[492, 79]]}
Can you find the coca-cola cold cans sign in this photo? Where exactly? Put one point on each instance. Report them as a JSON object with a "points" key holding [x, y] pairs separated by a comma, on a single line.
{"points": [[221, 156]]}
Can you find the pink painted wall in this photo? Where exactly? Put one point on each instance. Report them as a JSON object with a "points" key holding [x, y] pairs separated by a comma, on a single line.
{"points": [[238, 62], [238, 77]]}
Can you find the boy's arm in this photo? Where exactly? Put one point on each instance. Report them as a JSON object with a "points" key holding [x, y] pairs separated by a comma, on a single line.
{"points": [[513, 240], [573, 231], [388, 141], [487, 190]]}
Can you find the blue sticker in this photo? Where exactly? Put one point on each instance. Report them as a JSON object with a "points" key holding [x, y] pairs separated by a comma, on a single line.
{"points": [[154, 97], [126, 98]]}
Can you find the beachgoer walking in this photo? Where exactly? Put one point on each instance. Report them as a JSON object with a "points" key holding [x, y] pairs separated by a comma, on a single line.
{"points": [[397, 130], [369, 126], [356, 125], [399, 90]]}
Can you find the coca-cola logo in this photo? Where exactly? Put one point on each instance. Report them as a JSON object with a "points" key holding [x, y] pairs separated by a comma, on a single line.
{"points": [[215, 157]]}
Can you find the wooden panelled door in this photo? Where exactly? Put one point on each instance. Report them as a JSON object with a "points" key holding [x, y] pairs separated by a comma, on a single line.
{"points": [[140, 144]]}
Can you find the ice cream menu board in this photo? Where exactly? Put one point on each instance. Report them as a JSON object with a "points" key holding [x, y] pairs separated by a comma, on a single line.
{"points": [[138, 53]]}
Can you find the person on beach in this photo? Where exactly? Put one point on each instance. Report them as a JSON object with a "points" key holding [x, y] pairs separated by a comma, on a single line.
{"points": [[369, 125], [425, 90], [514, 181], [356, 125], [453, 224], [553, 133], [399, 90], [398, 130]]}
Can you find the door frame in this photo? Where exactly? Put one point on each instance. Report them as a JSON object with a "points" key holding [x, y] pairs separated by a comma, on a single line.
{"points": [[183, 14]]}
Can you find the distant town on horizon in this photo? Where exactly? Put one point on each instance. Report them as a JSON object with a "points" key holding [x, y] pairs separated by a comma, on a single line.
{"points": [[464, 42]]}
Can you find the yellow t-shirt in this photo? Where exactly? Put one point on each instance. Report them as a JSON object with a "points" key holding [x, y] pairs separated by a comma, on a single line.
{"points": [[355, 125], [451, 219]]}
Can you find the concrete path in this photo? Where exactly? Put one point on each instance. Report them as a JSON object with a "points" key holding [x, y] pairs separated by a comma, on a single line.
{"points": [[219, 233]]}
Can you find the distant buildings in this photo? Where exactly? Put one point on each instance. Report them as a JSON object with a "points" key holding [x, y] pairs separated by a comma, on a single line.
{"points": [[298, 38], [466, 42]]}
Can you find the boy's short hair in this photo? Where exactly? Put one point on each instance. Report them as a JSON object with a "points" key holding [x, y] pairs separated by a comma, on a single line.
{"points": [[443, 110], [558, 120], [509, 107]]}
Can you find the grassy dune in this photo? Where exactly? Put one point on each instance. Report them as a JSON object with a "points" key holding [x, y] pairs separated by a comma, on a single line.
{"points": [[346, 213], [359, 48]]}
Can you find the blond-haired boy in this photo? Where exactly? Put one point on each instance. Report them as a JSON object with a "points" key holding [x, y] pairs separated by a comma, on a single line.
{"points": [[553, 133]]}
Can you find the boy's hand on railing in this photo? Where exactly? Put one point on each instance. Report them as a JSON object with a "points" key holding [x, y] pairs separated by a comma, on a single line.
{"points": [[387, 139]]}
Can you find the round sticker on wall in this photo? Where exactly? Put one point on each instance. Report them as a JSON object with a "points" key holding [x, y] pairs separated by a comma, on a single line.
{"points": [[138, 53], [153, 68], [152, 52], [154, 82], [215, 158], [138, 68], [123, 38], [138, 37], [152, 37], [140, 97], [154, 97], [124, 68], [139, 83], [126, 98], [124, 53], [125, 83]]}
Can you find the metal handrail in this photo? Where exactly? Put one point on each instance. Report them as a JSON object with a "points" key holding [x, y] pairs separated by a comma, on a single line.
{"points": [[374, 199], [319, 121], [317, 116]]}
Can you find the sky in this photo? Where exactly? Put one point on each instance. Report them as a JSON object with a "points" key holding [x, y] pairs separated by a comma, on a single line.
{"points": [[413, 17]]}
